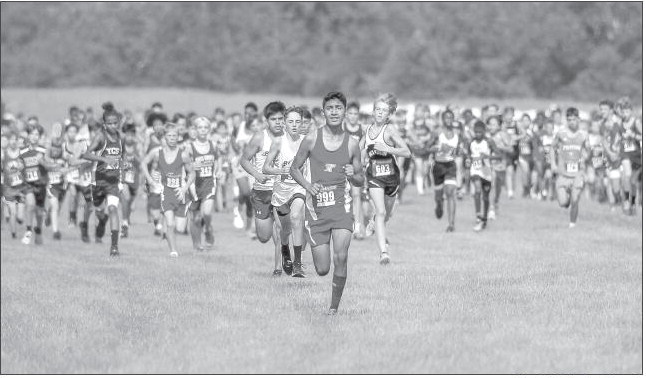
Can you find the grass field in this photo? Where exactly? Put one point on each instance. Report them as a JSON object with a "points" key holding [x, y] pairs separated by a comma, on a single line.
{"points": [[528, 295]]}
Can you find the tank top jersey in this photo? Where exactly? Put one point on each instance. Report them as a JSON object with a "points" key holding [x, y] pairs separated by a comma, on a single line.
{"points": [[34, 173], [288, 149], [569, 153], [546, 142], [448, 148], [12, 170], [630, 144], [327, 168], [171, 173], [417, 133], [131, 170], [525, 146], [81, 174], [110, 173], [153, 167], [380, 164], [357, 134], [498, 158], [223, 147], [203, 164], [55, 175], [480, 153], [596, 155], [259, 160]]}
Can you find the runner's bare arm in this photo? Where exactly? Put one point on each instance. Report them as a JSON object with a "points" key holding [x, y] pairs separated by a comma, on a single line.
{"points": [[400, 147], [353, 170], [299, 160], [89, 154], [268, 168], [152, 156], [248, 152], [555, 147]]}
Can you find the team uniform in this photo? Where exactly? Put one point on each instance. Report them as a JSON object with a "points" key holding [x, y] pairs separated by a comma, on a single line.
{"points": [[445, 168], [131, 176], [479, 154], [331, 208], [13, 177], [34, 173], [630, 147], [154, 191], [261, 193], [614, 145], [597, 157], [205, 177], [57, 185], [108, 176], [382, 170], [570, 166], [172, 178], [286, 190]]}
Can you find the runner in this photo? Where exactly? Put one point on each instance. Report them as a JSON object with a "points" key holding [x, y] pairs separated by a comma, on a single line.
{"points": [[446, 145], [334, 164], [79, 177], [57, 185], [203, 153], [569, 151], [106, 149], [525, 153], [12, 171], [352, 126], [155, 139], [224, 149], [288, 197], [243, 189], [631, 155], [509, 125], [504, 148], [419, 138], [253, 158], [479, 153], [35, 189], [131, 176], [172, 164], [595, 172], [382, 143]]}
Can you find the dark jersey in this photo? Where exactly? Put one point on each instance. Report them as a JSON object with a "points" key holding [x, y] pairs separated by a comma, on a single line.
{"points": [[34, 172]]}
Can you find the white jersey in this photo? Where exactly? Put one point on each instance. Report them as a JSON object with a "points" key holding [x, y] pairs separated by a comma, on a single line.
{"points": [[285, 187], [448, 148], [259, 160], [479, 153]]}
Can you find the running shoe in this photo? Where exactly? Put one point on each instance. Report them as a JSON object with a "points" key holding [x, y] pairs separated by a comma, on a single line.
{"points": [[288, 267], [572, 225], [298, 271], [479, 226], [626, 207], [174, 254], [27, 238], [124, 231], [439, 209], [114, 251], [277, 273], [492, 214], [332, 311], [370, 228], [237, 219], [384, 259], [451, 228], [57, 235]]}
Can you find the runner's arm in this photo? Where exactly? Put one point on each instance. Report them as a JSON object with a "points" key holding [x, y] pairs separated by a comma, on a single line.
{"points": [[355, 175], [268, 168], [250, 149], [400, 149], [89, 153], [152, 156], [303, 153]]}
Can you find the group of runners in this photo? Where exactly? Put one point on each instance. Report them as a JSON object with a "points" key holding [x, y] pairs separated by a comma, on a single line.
{"points": [[319, 177]]}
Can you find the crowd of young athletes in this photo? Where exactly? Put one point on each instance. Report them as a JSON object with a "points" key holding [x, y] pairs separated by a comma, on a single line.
{"points": [[42, 169], [307, 177]]}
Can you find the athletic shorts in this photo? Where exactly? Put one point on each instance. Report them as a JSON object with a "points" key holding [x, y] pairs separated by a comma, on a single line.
{"points": [[102, 190], [445, 173], [57, 191], [570, 183], [14, 194], [261, 202], [132, 189], [530, 161], [390, 183], [154, 201], [319, 231], [86, 191], [205, 189], [285, 208], [170, 202], [484, 183], [39, 191]]}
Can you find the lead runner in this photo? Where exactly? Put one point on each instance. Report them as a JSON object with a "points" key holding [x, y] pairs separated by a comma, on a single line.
{"points": [[334, 162]]}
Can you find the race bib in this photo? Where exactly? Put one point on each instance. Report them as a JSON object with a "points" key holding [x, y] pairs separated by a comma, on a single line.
{"points": [[572, 167], [16, 180], [629, 146], [382, 167], [597, 161], [172, 182], [524, 149], [31, 174], [206, 171], [325, 199], [86, 178], [476, 164], [55, 177], [129, 177]]}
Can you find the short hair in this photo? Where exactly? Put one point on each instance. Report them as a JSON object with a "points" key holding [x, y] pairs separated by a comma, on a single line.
{"points": [[294, 109], [447, 112], [70, 125], [496, 117], [129, 127], [37, 127], [607, 102], [624, 103], [221, 124], [479, 125], [73, 109], [335, 95], [509, 109], [273, 108], [307, 114], [353, 105], [251, 105], [156, 116], [169, 126], [157, 105], [219, 110], [200, 120], [572, 112], [389, 99], [178, 116]]}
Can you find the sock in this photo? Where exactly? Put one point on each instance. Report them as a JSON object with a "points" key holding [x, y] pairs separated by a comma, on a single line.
{"points": [[115, 238], [297, 254], [37, 230], [285, 250], [73, 215], [338, 284], [28, 228], [626, 195], [155, 221], [632, 199]]}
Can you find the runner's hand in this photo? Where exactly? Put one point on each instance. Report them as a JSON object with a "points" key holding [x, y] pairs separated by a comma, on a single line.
{"points": [[181, 193], [313, 189], [349, 170]]}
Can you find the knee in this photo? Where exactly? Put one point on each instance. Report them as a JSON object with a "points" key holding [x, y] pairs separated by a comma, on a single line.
{"points": [[297, 218], [322, 271]]}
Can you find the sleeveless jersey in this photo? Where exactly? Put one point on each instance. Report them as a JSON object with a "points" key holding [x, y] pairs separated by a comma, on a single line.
{"points": [[203, 163], [480, 155], [153, 167], [34, 173], [546, 142], [80, 174], [498, 158], [259, 160], [55, 175], [327, 168], [12, 170], [110, 172], [417, 145], [131, 169], [448, 148], [171, 173], [380, 164], [569, 153], [525, 146], [357, 134], [285, 186], [630, 144]]}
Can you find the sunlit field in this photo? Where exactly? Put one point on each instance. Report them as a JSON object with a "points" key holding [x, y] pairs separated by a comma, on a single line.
{"points": [[526, 296]]}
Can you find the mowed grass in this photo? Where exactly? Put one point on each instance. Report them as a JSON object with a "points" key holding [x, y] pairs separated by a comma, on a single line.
{"points": [[528, 295]]}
